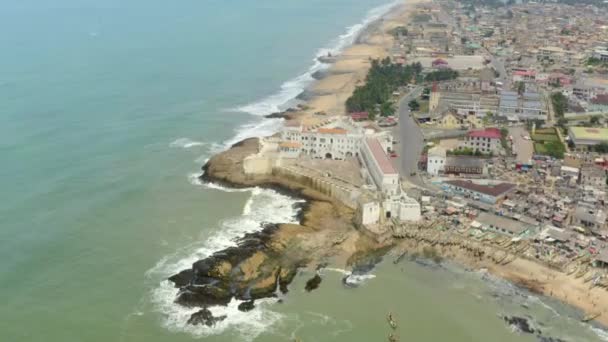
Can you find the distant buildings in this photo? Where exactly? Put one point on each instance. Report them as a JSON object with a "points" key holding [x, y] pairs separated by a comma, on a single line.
{"points": [[584, 138], [589, 218], [485, 140], [527, 106], [503, 225], [601, 53], [485, 193], [464, 165], [593, 175], [436, 158]]}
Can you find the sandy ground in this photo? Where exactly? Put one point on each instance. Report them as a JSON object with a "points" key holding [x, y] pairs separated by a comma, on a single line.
{"points": [[529, 274], [329, 96], [330, 93]]}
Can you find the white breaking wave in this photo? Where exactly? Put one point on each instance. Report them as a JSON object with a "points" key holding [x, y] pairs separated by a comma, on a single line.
{"points": [[194, 179], [294, 87], [261, 128], [350, 278], [185, 143], [601, 333], [263, 206]]}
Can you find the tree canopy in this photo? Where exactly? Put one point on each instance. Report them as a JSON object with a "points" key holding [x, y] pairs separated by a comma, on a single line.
{"points": [[382, 80]]}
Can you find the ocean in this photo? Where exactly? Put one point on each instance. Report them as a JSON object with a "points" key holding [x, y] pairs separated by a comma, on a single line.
{"points": [[109, 108]]}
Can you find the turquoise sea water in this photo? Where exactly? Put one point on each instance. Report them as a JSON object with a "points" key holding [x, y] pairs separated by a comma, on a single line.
{"points": [[107, 111]]}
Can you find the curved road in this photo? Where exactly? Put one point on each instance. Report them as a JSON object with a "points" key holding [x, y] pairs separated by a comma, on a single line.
{"points": [[410, 140]]}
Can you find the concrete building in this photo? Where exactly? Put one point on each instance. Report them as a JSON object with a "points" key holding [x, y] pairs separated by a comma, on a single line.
{"points": [[601, 53], [584, 138], [593, 175], [528, 106], [336, 139], [485, 140], [379, 166], [369, 210], [589, 218], [464, 165], [402, 207], [435, 160], [484, 193], [503, 225]]}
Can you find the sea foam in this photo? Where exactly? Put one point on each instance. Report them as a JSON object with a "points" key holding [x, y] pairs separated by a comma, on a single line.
{"points": [[185, 143], [263, 206], [294, 87]]}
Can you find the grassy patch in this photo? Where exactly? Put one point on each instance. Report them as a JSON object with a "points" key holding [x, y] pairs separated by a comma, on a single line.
{"points": [[424, 106], [545, 137], [540, 148], [545, 131]]}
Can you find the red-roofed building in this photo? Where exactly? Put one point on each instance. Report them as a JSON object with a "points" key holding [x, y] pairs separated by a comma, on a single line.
{"points": [[360, 116], [439, 63], [524, 75], [380, 166], [485, 140]]}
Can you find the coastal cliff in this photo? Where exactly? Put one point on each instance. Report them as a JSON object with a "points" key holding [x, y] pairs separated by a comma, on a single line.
{"points": [[266, 261]]}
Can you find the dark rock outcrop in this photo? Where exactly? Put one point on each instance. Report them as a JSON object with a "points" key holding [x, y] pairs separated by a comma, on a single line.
{"points": [[251, 270], [520, 323], [313, 283], [205, 317], [246, 306]]}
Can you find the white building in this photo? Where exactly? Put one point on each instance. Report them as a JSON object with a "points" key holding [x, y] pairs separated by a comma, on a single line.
{"points": [[380, 168], [601, 53], [485, 141], [337, 139], [370, 212], [402, 207], [435, 160]]}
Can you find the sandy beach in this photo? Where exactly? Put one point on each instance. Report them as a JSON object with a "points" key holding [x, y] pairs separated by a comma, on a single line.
{"points": [[330, 93], [533, 276]]}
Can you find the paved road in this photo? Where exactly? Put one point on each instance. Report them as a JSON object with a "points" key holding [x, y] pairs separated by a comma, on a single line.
{"points": [[499, 64], [410, 140], [524, 148]]}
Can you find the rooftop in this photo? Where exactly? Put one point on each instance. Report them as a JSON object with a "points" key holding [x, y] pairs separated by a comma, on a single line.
{"points": [[500, 222], [492, 133], [332, 130], [589, 133], [381, 158], [491, 190]]}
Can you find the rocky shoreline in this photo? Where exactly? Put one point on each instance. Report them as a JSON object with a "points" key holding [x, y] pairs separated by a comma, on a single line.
{"points": [[264, 263]]}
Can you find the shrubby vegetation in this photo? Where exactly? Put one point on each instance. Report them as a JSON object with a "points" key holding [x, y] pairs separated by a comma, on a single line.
{"points": [[382, 80], [467, 151], [441, 75], [560, 104]]}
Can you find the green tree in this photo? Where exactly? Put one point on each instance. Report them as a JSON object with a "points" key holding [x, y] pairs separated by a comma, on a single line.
{"points": [[595, 120], [414, 105], [441, 75], [387, 109], [601, 148], [555, 149], [560, 104], [383, 78], [521, 87]]}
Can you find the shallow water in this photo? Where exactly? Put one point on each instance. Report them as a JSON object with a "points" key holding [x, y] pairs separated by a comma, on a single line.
{"points": [[108, 110]]}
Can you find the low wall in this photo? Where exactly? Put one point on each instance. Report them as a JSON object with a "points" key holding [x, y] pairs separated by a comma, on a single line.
{"points": [[324, 185]]}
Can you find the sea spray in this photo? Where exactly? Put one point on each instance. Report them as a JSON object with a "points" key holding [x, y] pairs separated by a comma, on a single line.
{"points": [[263, 206], [185, 143], [294, 87]]}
